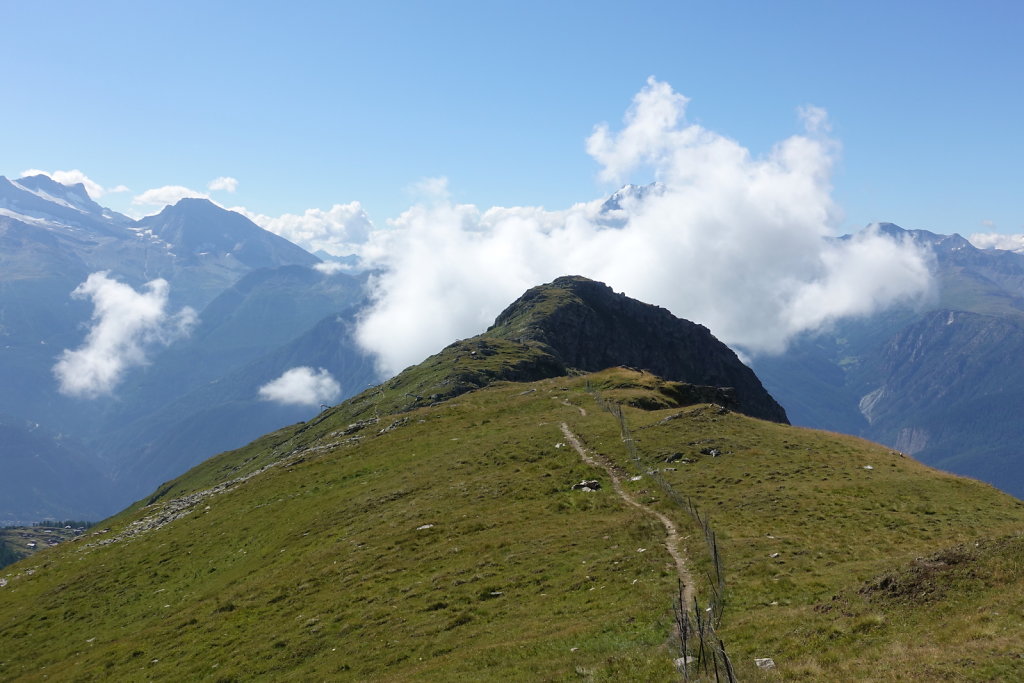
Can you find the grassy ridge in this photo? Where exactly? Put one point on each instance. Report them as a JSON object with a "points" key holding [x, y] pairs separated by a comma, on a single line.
{"points": [[321, 569], [443, 542]]}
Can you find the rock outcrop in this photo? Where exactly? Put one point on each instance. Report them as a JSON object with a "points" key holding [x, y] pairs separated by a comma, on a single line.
{"points": [[587, 326]]}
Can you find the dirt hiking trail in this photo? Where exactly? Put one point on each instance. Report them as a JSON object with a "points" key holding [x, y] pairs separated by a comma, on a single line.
{"points": [[672, 537]]}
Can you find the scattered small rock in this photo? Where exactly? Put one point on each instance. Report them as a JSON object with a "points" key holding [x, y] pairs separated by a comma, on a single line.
{"points": [[636, 478], [587, 485], [773, 555], [764, 662], [425, 526], [356, 426], [868, 467], [681, 662], [713, 452], [395, 425]]}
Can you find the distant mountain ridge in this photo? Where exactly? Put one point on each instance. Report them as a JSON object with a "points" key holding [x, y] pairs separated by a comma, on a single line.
{"points": [[198, 228], [41, 200], [942, 383], [263, 296], [50, 230]]}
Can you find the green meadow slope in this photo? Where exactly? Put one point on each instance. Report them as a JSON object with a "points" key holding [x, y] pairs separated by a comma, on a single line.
{"points": [[384, 541]]}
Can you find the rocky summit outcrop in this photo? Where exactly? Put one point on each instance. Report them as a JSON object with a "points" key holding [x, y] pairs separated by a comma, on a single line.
{"points": [[589, 327]]}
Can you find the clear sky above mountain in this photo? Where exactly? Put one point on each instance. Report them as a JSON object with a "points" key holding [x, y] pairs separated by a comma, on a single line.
{"points": [[284, 107]]}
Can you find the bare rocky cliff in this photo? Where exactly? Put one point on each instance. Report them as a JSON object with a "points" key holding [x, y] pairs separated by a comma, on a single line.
{"points": [[589, 327]]}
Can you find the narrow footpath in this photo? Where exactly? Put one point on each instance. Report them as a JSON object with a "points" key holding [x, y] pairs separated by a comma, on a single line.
{"points": [[672, 538]]}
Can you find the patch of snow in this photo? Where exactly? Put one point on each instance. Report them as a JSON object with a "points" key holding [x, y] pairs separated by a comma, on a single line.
{"points": [[48, 197], [147, 233], [31, 220]]}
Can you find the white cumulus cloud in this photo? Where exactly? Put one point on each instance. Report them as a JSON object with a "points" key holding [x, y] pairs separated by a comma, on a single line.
{"points": [[997, 240], [223, 183], [168, 194], [302, 386], [74, 177], [331, 267], [815, 119], [743, 244], [652, 130], [159, 197], [429, 189], [125, 325], [339, 231]]}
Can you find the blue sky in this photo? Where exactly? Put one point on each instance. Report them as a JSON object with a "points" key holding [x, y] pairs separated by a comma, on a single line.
{"points": [[309, 104]]}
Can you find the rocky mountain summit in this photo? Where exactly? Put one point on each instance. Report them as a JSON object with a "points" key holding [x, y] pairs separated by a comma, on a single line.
{"points": [[587, 326]]}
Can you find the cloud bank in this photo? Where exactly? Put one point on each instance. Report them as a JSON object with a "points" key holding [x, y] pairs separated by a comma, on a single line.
{"points": [[302, 386], [742, 244], [996, 240], [159, 197], [339, 231], [168, 194], [126, 324]]}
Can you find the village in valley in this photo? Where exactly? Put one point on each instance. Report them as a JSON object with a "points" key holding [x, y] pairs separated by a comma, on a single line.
{"points": [[17, 542]]}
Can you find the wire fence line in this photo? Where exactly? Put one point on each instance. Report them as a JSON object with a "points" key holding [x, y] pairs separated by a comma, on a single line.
{"points": [[702, 652]]}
